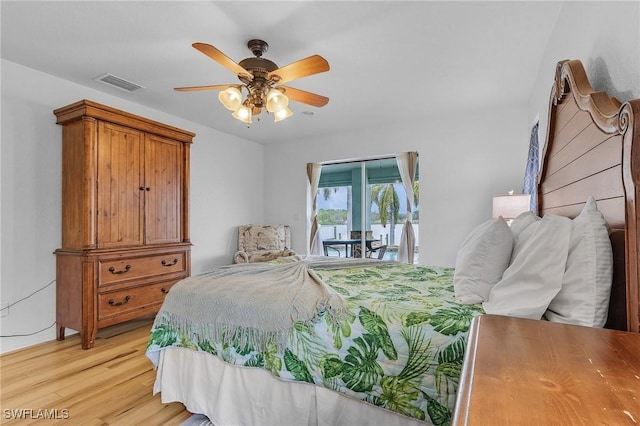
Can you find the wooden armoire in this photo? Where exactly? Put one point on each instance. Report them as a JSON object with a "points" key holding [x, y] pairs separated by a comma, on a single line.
{"points": [[125, 217]]}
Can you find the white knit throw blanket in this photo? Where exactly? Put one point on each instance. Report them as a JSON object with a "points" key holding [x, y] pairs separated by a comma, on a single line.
{"points": [[256, 304]]}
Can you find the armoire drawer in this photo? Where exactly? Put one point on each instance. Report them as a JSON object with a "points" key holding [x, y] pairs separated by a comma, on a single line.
{"points": [[131, 299], [116, 270]]}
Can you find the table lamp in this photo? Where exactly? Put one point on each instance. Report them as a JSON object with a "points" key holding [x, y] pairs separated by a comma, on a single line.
{"points": [[510, 205]]}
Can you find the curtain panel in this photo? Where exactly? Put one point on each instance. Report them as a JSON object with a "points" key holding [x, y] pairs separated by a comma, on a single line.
{"points": [[407, 163], [531, 173], [315, 239]]}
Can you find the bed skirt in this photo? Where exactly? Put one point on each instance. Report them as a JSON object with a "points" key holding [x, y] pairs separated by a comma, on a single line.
{"points": [[237, 395]]}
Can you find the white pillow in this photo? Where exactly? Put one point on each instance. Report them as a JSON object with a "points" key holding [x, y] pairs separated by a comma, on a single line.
{"points": [[523, 227], [481, 260], [586, 286], [534, 276]]}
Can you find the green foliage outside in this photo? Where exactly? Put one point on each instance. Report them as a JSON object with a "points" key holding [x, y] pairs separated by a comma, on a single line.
{"points": [[332, 217], [384, 197], [339, 217]]}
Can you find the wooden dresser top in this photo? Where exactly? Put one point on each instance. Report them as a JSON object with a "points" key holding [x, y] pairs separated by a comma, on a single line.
{"points": [[526, 372]]}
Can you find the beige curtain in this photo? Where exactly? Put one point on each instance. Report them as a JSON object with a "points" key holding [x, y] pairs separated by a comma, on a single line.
{"points": [[313, 173], [407, 163]]}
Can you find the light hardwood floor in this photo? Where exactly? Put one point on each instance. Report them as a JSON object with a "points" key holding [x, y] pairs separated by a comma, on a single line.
{"points": [[111, 384]]}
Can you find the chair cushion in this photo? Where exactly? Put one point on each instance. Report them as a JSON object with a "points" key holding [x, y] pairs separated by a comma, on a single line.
{"points": [[261, 237], [266, 255]]}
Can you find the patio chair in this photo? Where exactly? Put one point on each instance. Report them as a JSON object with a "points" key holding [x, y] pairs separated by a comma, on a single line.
{"points": [[373, 246]]}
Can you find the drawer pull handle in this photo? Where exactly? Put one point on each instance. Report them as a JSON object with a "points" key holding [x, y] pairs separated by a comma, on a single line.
{"points": [[122, 271], [114, 303], [164, 290], [164, 262]]}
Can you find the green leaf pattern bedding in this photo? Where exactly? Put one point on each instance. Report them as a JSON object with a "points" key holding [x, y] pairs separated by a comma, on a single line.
{"points": [[401, 346]]}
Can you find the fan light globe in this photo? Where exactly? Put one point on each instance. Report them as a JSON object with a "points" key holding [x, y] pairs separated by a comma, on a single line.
{"points": [[282, 114], [243, 114], [276, 101], [231, 98]]}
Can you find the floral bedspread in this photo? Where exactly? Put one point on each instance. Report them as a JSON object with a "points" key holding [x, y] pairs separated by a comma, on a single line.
{"points": [[400, 348]]}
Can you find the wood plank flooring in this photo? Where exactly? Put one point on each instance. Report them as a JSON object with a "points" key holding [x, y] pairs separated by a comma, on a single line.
{"points": [[59, 383]]}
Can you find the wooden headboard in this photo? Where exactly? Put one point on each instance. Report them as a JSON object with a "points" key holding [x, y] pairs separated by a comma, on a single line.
{"points": [[592, 149]]}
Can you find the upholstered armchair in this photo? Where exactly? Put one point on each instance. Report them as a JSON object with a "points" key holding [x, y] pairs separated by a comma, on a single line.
{"points": [[259, 243]]}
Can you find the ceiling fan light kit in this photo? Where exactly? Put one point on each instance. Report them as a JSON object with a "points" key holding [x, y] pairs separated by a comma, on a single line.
{"points": [[282, 114], [276, 100], [261, 78], [243, 113], [231, 98]]}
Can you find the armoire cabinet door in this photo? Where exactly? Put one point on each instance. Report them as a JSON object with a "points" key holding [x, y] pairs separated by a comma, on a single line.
{"points": [[163, 198], [120, 212]]}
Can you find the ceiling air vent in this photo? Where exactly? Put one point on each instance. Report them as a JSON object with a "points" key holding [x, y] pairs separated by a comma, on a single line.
{"points": [[118, 82]]}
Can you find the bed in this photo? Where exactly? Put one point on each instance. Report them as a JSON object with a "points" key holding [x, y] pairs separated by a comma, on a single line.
{"points": [[384, 342]]}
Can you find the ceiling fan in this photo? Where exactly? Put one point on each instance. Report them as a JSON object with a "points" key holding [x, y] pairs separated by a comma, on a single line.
{"points": [[262, 79]]}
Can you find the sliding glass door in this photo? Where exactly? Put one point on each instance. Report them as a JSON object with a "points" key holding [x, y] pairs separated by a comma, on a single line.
{"points": [[364, 195]]}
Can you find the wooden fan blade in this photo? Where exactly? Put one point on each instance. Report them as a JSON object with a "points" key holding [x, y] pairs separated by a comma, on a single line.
{"points": [[304, 97], [303, 68], [222, 59], [194, 88]]}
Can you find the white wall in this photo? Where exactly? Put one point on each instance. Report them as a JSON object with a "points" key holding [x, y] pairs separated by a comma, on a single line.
{"points": [[465, 159], [605, 36], [221, 196]]}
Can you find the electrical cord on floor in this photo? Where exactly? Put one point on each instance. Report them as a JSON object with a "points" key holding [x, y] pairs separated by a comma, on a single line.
{"points": [[25, 298]]}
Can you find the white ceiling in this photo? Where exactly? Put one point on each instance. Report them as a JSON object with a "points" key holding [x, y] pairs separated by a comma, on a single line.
{"points": [[390, 61]]}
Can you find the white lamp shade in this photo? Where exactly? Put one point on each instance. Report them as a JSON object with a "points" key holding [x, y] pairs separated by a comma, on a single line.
{"points": [[282, 114], [243, 114], [231, 98], [276, 101], [510, 206]]}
